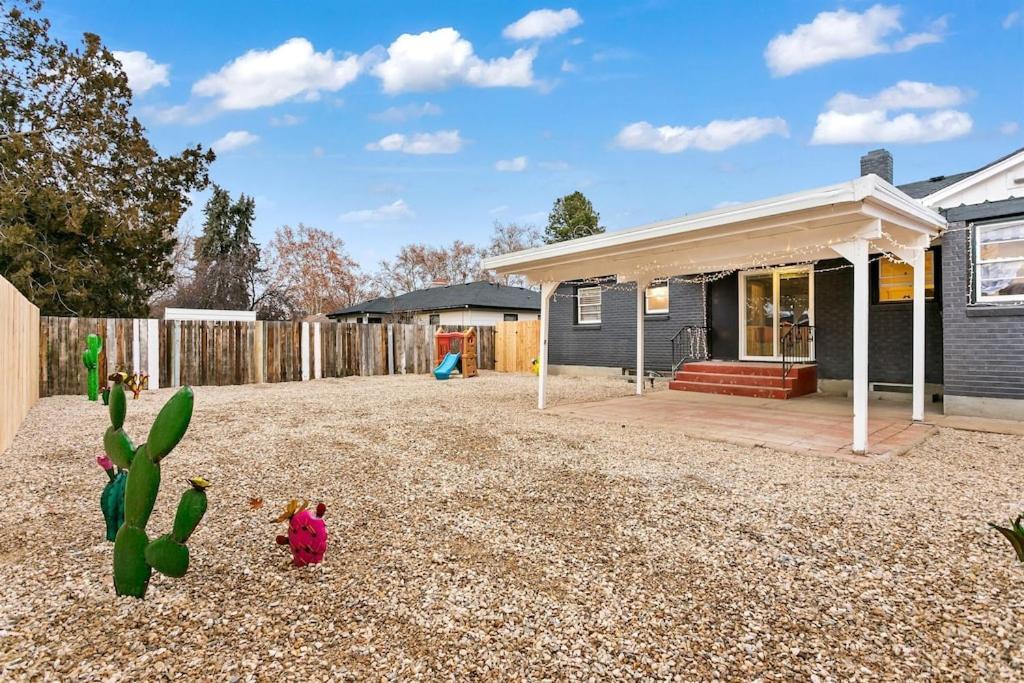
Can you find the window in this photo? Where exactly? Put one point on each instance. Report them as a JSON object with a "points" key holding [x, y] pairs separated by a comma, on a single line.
{"points": [[373, 321], [896, 280], [656, 299], [511, 317], [435, 319], [588, 305], [1000, 262]]}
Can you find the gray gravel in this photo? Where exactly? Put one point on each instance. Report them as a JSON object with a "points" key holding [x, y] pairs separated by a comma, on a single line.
{"points": [[472, 537]]}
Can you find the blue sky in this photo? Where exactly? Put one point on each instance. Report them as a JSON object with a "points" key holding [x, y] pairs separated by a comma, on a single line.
{"points": [[388, 122]]}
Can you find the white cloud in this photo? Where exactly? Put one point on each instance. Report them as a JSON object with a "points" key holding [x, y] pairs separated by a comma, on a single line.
{"points": [[843, 34], [511, 165], [434, 60], [554, 165], [568, 67], [715, 136], [852, 119], [318, 152], [407, 112], [261, 78], [142, 70], [1009, 128], [835, 127], [286, 120], [441, 142], [235, 139], [543, 23], [903, 95], [395, 211], [1012, 19]]}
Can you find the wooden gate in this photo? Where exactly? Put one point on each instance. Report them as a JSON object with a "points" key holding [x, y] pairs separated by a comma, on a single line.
{"points": [[516, 344]]}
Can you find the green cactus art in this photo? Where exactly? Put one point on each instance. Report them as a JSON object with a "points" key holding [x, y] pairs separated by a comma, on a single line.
{"points": [[91, 360], [135, 557]]}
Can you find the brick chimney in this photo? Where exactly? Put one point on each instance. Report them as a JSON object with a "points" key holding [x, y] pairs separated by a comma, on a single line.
{"points": [[879, 162]]}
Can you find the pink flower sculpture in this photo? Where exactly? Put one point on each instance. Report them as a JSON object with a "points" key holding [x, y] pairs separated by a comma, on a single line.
{"points": [[104, 462], [307, 534]]}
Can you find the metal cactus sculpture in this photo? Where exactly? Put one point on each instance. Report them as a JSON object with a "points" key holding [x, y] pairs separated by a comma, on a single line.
{"points": [[135, 557], [91, 360], [112, 498]]}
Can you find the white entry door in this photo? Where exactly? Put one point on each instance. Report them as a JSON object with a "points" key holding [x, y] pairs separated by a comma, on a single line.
{"points": [[772, 302]]}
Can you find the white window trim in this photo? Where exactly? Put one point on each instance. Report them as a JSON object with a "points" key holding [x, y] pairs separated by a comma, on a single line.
{"points": [[579, 306], [978, 262], [656, 311]]}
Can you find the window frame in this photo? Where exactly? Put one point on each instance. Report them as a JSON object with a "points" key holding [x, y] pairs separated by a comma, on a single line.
{"points": [[895, 302], [579, 305], [430, 318], [510, 317], [647, 300], [978, 262]]}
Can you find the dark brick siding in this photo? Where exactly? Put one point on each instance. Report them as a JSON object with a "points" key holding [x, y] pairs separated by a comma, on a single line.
{"points": [[890, 331], [984, 346], [613, 342]]}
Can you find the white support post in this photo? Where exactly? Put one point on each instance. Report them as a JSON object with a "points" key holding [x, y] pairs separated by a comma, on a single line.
{"points": [[641, 291], [153, 352], [136, 346], [304, 349], [391, 349], [917, 412], [547, 289], [856, 252], [176, 354], [317, 367]]}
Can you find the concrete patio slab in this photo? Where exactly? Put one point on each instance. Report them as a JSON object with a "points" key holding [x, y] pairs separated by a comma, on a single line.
{"points": [[816, 424]]}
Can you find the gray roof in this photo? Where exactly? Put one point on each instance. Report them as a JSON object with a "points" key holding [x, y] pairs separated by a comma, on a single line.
{"points": [[1005, 208], [470, 295], [923, 188]]}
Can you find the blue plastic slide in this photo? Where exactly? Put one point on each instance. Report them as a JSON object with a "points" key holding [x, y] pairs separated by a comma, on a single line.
{"points": [[444, 370]]}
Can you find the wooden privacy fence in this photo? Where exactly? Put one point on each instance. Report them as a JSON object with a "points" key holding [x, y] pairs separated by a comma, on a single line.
{"points": [[516, 344], [220, 353], [19, 354]]}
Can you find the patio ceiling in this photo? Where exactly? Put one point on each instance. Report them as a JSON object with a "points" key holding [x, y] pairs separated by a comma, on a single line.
{"points": [[787, 229]]}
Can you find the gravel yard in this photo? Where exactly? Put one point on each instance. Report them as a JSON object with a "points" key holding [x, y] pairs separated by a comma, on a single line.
{"points": [[472, 537]]}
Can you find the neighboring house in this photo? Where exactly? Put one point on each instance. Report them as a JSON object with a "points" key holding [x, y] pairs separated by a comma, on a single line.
{"points": [[824, 281], [474, 303]]}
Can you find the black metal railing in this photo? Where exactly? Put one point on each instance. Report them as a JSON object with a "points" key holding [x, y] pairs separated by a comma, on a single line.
{"points": [[797, 347], [689, 343]]}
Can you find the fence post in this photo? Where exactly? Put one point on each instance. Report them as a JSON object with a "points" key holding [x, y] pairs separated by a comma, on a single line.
{"points": [[136, 347], [176, 354], [153, 352], [391, 349], [317, 355], [257, 352], [304, 348], [110, 346]]}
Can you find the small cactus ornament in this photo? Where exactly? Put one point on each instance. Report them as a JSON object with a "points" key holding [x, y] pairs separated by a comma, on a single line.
{"points": [[91, 360], [112, 498], [135, 557], [307, 534]]}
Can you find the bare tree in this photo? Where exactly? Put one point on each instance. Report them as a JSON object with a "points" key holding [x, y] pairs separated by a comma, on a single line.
{"points": [[418, 265], [311, 268], [509, 237]]}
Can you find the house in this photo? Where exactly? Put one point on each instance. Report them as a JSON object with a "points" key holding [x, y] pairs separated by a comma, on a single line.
{"points": [[473, 303], [860, 288]]}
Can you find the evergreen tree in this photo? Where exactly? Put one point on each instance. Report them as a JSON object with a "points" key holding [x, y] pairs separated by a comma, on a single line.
{"points": [[88, 209], [572, 216], [228, 273]]}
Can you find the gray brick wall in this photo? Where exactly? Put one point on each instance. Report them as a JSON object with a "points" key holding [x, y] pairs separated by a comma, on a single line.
{"points": [[890, 331], [984, 346], [613, 342]]}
